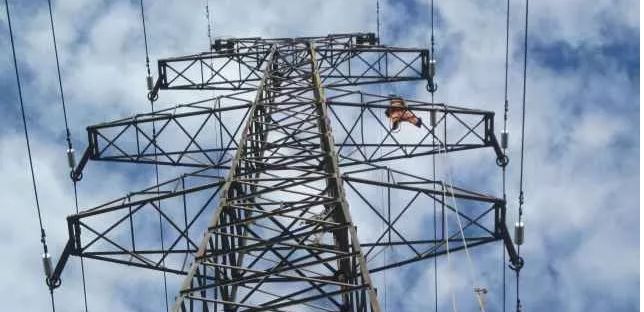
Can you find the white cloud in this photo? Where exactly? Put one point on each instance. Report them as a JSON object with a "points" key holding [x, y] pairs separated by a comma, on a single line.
{"points": [[582, 178]]}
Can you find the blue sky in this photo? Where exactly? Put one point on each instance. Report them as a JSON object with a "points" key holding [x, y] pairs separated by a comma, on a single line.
{"points": [[582, 185]]}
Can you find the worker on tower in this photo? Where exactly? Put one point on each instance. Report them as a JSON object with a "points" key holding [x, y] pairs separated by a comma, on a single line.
{"points": [[397, 112]]}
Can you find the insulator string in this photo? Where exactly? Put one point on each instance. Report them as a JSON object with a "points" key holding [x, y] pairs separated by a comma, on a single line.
{"points": [[70, 150]]}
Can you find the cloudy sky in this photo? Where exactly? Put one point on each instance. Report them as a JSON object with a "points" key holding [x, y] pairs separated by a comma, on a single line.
{"points": [[582, 172]]}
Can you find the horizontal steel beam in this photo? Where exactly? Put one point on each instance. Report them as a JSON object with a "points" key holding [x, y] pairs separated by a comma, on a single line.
{"points": [[341, 61], [195, 135]]}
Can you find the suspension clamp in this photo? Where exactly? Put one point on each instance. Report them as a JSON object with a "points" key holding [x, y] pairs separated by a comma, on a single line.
{"points": [[518, 265], [53, 283], [76, 176], [502, 161], [432, 86], [153, 96]]}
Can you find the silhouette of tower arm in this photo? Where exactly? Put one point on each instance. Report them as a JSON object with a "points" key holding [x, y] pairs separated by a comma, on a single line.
{"points": [[199, 134], [190, 134], [342, 60]]}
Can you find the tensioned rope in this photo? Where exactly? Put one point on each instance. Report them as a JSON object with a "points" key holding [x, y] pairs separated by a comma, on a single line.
{"points": [[70, 148], [447, 174], [43, 237], [156, 165], [472, 272], [444, 215]]}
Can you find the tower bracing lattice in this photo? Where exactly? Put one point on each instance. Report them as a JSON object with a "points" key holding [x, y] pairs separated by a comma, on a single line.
{"points": [[290, 168]]}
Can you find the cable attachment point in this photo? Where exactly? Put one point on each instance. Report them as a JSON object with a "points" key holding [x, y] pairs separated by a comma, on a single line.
{"points": [[432, 118], [48, 268], [502, 160], [76, 176], [432, 86], [71, 158], [505, 136], [153, 96], [519, 229], [46, 264], [53, 283], [517, 265], [150, 82], [76, 173]]}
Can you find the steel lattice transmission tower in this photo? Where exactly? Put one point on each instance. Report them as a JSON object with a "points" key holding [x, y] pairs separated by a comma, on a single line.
{"points": [[261, 220]]}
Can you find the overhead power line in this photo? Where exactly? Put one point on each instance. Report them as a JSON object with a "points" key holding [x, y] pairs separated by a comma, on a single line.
{"points": [[43, 236], [154, 135], [70, 148], [519, 225]]}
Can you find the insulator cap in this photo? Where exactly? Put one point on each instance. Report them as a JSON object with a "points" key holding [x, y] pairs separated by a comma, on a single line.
{"points": [[432, 68], [71, 159], [518, 233], [366, 39], [223, 45], [150, 82], [504, 139], [46, 264], [432, 118]]}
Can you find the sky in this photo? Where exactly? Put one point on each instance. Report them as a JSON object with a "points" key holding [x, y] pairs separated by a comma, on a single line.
{"points": [[582, 134]]}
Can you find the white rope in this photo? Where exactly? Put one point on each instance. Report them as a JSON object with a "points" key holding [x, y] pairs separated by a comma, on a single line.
{"points": [[448, 178], [445, 221]]}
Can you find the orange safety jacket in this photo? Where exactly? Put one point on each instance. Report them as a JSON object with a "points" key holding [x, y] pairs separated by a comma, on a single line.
{"points": [[397, 112]]}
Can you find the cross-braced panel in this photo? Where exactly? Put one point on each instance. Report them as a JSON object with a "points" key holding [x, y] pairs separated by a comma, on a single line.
{"points": [[263, 224], [413, 218], [158, 228], [282, 238], [206, 133], [342, 60]]}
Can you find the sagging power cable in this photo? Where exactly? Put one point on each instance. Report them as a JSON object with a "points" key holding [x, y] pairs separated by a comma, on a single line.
{"points": [[505, 138], [60, 80], [432, 86], [378, 19], [70, 149], [154, 136], [385, 199], [43, 236], [210, 42], [519, 225], [433, 127]]}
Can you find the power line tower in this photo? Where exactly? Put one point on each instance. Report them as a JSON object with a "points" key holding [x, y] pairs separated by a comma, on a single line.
{"points": [[261, 219]]}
